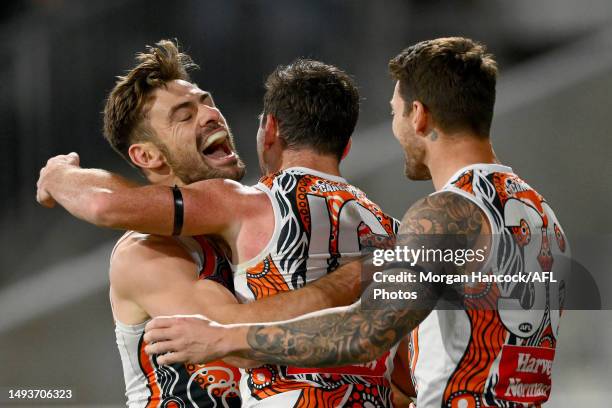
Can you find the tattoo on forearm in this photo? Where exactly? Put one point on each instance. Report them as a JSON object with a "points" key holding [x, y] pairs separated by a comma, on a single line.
{"points": [[355, 335]]}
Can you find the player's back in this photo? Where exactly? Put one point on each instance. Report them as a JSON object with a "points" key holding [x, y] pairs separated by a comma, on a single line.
{"points": [[149, 384], [321, 221], [496, 352]]}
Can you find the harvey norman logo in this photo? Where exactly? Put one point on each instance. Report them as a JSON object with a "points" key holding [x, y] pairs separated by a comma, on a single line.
{"points": [[525, 374], [528, 363]]}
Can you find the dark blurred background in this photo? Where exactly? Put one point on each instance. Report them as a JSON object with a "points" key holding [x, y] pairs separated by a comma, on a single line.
{"points": [[60, 58]]}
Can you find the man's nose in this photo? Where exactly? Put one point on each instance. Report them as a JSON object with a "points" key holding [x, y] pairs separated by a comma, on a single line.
{"points": [[208, 115]]}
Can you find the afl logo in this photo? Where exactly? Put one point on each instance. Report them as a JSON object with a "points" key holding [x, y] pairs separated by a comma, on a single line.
{"points": [[525, 327]]}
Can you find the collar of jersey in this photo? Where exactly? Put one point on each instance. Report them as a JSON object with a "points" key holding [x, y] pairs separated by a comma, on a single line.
{"points": [[317, 173], [488, 167]]}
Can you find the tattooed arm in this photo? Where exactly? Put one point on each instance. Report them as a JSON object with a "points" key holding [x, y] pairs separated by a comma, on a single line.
{"points": [[343, 335]]}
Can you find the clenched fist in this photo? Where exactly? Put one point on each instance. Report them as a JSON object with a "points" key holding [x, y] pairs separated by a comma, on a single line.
{"points": [[47, 173]]}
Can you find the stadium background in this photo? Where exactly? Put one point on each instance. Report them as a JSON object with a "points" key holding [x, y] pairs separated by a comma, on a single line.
{"points": [[60, 57]]}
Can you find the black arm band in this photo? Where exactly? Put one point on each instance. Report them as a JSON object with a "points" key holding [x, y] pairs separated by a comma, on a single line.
{"points": [[179, 208]]}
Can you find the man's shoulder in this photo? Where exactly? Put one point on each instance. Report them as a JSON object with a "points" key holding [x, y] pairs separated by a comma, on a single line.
{"points": [[137, 254], [134, 245], [445, 212]]}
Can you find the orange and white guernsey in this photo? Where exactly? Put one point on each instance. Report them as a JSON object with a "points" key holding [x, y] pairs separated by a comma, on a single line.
{"points": [[148, 384], [495, 356], [321, 222]]}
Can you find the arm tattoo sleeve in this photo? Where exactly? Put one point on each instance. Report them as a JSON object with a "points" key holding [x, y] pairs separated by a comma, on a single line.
{"points": [[354, 335]]}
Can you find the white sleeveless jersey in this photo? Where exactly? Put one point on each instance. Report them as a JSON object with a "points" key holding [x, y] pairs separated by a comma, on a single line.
{"points": [[148, 384], [494, 358], [321, 221]]}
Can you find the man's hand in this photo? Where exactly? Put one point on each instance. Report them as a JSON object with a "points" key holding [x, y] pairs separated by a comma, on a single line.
{"points": [[186, 339], [51, 169]]}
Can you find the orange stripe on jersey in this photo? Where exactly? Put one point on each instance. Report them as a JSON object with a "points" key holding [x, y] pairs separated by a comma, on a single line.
{"points": [[529, 196], [487, 338], [465, 182], [268, 180], [317, 397], [149, 372], [414, 353], [265, 279], [267, 384]]}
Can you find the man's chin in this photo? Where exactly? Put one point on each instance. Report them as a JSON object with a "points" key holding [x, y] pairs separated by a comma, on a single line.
{"points": [[230, 169], [417, 173], [237, 173]]}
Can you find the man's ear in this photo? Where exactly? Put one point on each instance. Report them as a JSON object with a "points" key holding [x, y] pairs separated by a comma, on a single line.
{"points": [[271, 134], [421, 118], [347, 149], [146, 155]]}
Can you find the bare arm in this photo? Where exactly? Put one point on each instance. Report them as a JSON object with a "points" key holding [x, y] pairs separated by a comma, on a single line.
{"points": [[339, 288], [160, 276], [155, 276], [108, 200], [353, 335]]}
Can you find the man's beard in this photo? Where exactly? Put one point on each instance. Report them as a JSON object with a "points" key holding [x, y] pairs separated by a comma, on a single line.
{"points": [[415, 170], [189, 175], [193, 170]]}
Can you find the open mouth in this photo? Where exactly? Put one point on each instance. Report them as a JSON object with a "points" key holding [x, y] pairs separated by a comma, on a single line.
{"points": [[217, 146]]}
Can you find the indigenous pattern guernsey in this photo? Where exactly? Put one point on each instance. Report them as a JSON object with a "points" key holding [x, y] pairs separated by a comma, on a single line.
{"points": [[496, 356], [320, 223], [149, 384]]}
